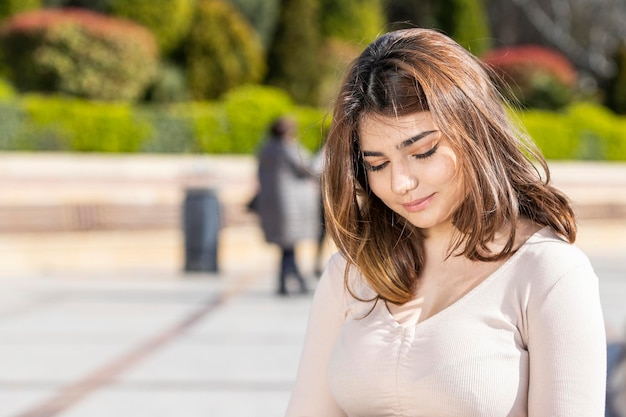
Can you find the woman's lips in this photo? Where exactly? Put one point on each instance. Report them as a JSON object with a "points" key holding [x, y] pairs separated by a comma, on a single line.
{"points": [[419, 204]]}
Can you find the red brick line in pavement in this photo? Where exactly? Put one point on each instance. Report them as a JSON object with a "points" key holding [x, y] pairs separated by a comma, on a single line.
{"points": [[73, 393], [106, 216]]}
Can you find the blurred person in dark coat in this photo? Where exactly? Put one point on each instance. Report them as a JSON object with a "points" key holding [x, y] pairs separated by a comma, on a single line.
{"points": [[288, 199]]}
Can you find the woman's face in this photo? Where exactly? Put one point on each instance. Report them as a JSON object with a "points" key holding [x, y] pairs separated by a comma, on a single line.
{"points": [[411, 168]]}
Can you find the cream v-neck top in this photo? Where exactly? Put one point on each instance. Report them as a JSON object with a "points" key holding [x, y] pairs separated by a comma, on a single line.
{"points": [[527, 341]]}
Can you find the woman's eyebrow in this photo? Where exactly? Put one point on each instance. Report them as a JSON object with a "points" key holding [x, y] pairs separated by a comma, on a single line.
{"points": [[415, 138], [402, 145]]}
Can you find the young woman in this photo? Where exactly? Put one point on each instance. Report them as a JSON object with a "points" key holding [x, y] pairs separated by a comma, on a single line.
{"points": [[456, 290]]}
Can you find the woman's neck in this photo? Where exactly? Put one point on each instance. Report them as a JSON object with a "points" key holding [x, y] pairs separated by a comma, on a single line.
{"points": [[438, 241]]}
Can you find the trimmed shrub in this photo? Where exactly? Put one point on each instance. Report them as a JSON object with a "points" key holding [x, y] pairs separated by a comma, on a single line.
{"points": [[313, 125], [584, 131], [79, 53], [551, 132], [222, 51], [168, 20], [601, 134], [210, 125], [534, 76], [250, 110], [238, 123], [88, 126], [7, 92], [169, 132], [234, 125], [20, 133], [13, 126], [10, 7]]}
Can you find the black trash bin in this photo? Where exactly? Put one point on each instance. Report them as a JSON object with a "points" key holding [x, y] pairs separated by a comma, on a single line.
{"points": [[201, 223]]}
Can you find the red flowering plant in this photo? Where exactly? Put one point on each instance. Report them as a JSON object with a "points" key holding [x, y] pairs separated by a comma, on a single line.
{"points": [[534, 76], [78, 52]]}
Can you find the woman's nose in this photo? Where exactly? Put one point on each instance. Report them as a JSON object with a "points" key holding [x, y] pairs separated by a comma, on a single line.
{"points": [[402, 179]]}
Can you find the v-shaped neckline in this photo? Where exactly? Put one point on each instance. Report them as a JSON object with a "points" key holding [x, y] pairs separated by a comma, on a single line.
{"points": [[413, 320]]}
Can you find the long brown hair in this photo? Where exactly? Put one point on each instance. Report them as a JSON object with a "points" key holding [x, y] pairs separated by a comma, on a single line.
{"points": [[505, 175]]}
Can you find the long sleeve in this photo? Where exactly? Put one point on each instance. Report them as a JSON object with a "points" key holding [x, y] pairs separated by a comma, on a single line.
{"points": [[311, 396], [299, 160], [567, 348]]}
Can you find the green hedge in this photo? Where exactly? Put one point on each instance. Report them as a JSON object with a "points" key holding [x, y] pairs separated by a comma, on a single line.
{"points": [[88, 126], [584, 131], [234, 125], [7, 91], [250, 111], [237, 123]]}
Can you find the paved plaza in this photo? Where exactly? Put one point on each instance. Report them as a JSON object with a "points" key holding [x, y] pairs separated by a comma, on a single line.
{"points": [[159, 343], [168, 343]]}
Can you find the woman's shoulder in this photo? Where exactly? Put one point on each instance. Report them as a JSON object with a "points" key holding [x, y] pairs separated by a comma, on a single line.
{"points": [[546, 257], [347, 280], [340, 272], [547, 245]]}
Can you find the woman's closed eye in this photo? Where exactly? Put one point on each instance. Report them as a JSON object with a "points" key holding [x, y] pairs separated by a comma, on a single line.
{"points": [[374, 167], [377, 166], [428, 153]]}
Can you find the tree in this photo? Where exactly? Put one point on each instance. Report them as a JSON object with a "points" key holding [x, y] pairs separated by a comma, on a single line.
{"points": [[589, 32], [294, 51], [347, 28], [352, 20], [262, 14], [168, 20], [222, 52], [465, 21], [410, 13], [616, 85]]}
